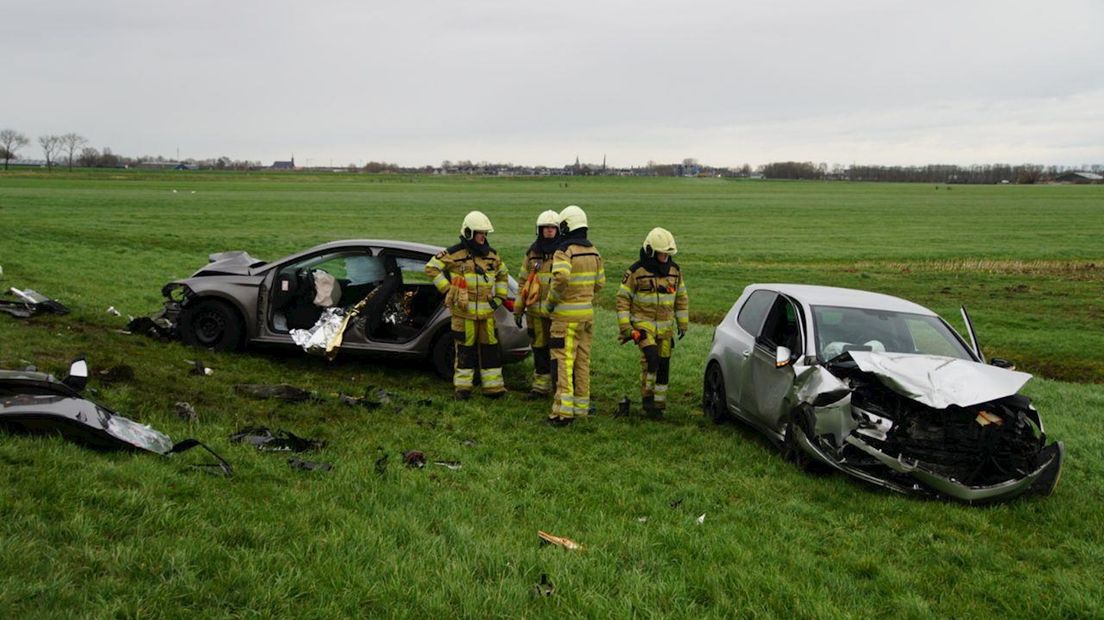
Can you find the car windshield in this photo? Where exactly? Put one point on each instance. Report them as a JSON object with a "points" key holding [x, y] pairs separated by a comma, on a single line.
{"points": [[839, 330]]}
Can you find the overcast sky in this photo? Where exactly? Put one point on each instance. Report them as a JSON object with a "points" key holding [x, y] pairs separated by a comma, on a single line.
{"points": [[418, 82]]}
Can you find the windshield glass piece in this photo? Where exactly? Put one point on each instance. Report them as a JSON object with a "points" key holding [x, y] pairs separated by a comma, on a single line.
{"points": [[839, 330]]}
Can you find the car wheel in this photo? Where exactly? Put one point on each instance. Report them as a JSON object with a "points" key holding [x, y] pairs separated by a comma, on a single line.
{"points": [[211, 324], [714, 399], [442, 355], [792, 450]]}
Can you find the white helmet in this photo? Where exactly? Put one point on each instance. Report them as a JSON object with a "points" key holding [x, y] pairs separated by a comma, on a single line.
{"points": [[572, 218], [475, 222], [660, 240]]}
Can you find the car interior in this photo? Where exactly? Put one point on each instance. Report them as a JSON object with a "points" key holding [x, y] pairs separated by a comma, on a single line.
{"points": [[781, 328], [399, 299]]}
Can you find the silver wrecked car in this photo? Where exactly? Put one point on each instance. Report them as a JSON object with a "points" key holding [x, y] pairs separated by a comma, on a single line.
{"points": [[237, 299], [880, 388]]}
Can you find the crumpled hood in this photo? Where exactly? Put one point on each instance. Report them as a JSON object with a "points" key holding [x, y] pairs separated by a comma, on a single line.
{"points": [[236, 263], [938, 381]]}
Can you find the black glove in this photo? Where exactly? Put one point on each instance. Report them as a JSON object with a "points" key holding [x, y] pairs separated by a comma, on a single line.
{"points": [[681, 333], [494, 303], [518, 320]]}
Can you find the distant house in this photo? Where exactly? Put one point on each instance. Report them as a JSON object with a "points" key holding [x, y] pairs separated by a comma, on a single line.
{"points": [[1079, 177], [283, 165]]}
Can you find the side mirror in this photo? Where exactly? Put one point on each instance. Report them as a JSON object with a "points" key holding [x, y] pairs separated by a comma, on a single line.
{"points": [[78, 375], [1000, 362], [782, 357]]}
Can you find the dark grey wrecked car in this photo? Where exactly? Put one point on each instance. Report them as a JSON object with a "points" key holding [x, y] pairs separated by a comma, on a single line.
{"points": [[37, 403], [236, 300], [879, 388]]}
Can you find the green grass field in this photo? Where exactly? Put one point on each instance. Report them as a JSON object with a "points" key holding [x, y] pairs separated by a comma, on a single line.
{"points": [[91, 534]]}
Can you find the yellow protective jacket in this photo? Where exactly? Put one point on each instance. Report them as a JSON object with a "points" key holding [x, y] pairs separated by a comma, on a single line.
{"points": [[536, 272], [469, 281], [577, 276], [652, 302]]}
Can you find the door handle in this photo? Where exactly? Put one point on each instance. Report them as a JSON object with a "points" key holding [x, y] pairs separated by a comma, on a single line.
{"points": [[746, 353]]}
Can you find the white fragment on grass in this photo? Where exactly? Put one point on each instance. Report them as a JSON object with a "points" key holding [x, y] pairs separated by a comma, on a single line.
{"points": [[174, 191], [112, 311], [642, 519], [701, 519]]}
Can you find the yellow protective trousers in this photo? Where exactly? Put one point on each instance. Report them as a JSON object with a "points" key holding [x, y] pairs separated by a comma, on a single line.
{"points": [[655, 368], [570, 343], [477, 345], [540, 334]]}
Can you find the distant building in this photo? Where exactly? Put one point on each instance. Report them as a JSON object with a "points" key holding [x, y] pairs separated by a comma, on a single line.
{"points": [[283, 165], [1079, 178]]}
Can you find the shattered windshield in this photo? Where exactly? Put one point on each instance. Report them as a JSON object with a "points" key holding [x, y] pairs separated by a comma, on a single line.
{"points": [[839, 330]]}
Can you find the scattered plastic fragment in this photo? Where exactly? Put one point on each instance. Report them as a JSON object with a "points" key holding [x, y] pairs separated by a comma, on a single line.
{"points": [[280, 441], [642, 519], [624, 406], [281, 391], [559, 541], [414, 458], [470, 443], [676, 503], [112, 311], [701, 519], [453, 465], [159, 328], [298, 463], [544, 587], [199, 369], [185, 411]]}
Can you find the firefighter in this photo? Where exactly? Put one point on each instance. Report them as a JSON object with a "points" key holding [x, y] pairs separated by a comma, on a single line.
{"points": [[536, 273], [474, 281], [652, 305], [577, 275]]}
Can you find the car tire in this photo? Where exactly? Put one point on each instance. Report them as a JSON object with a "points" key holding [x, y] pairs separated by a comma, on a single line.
{"points": [[714, 398], [792, 451], [211, 324], [442, 355]]}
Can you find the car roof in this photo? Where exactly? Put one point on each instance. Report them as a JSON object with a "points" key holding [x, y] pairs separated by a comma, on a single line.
{"points": [[812, 295], [381, 243]]}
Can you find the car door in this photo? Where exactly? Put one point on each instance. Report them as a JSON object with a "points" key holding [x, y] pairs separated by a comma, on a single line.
{"points": [[741, 331], [764, 394]]}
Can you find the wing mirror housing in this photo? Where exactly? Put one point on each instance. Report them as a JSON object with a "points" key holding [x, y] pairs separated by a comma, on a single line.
{"points": [[782, 357], [78, 375]]}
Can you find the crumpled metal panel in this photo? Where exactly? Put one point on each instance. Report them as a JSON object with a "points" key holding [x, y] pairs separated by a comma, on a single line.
{"points": [[938, 381], [815, 385], [314, 340]]}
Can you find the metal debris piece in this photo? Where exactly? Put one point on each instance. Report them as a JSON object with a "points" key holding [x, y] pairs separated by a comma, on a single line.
{"points": [[300, 464], [559, 541], [185, 411], [414, 458], [30, 303], [263, 439], [544, 587], [453, 465], [281, 391], [157, 327]]}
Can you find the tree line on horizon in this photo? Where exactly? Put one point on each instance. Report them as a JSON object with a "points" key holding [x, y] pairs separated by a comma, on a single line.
{"points": [[73, 148]]}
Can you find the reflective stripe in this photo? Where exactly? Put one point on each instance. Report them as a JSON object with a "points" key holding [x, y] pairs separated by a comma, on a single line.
{"points": [[462, 378], [491, 378], [582, 405], [542, 383]]}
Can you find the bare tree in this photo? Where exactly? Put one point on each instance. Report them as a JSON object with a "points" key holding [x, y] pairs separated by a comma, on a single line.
{"points": [[51, 146], [89, 157], [71, 142], [10, 142]]}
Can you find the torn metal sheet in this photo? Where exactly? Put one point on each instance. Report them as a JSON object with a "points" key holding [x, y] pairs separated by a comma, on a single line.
{"points": [[29, 303], [38, 403], [940, 382]]}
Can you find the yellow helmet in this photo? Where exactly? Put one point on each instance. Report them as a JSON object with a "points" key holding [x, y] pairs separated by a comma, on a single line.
{"points": [[660, 240], [475, 222], [572, 218]]}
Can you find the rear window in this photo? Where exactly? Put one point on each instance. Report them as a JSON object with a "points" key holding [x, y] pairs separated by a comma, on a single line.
{"points": [[754, 310]]}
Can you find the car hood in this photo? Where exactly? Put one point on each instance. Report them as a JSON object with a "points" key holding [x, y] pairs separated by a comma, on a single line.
{"points": [[236, 263], [940, 382]]}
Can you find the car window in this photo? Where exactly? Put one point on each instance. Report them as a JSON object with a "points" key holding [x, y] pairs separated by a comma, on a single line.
{"points": [[413, 269], [839, 330], [782, 326], [754, 310]]}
